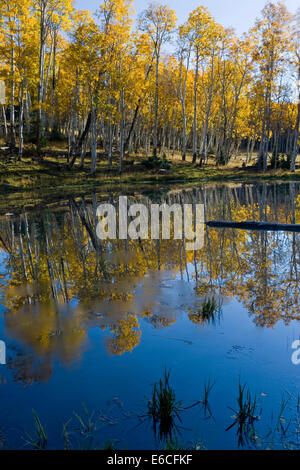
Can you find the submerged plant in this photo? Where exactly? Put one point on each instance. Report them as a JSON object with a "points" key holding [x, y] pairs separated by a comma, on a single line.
{"points": [[87, 433], [87, 425], [209, 312], [79, 433], [172, 443], [207, 388], [87, 428], [245, 416], [66, 435], [2, 438], [39, 440], [279, 435], [110, 445], [163, 407], [209, 306]]}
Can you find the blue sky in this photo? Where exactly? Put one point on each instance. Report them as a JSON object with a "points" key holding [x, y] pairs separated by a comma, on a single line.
{"points": [[239, 14]]}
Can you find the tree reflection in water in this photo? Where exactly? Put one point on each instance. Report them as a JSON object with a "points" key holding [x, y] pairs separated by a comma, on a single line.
{"points": [[60, 280]]}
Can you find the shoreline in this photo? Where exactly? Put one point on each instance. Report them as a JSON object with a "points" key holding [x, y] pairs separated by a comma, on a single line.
{"points": [[34, 198], [27, 176]]}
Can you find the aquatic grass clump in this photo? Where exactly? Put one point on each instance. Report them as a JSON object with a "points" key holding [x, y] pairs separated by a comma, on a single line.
{"points": [[279, 437], [109, 445], [84, 431], [2, 438], [209, 306], [173, 443], [83, 435], [245, 416], [39, 440], [86, 423], [163, 407], [207, 388], [209, 312]]}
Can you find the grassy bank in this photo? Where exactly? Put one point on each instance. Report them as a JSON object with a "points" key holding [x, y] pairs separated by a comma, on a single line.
{"points": [[50, 174], [34, 183]]}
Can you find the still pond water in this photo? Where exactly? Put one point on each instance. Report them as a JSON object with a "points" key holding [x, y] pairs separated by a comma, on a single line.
{"points": [[92, 325]]}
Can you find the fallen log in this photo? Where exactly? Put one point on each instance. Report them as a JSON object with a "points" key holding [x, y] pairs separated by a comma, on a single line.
{"points": [[251, 225]]}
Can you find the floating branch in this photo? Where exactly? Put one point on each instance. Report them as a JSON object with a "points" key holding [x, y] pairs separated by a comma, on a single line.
{"points": [[249, 225]]}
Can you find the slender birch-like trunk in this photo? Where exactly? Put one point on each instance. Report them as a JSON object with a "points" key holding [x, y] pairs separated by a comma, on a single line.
{"points": [[21, 122], [195, 107]]}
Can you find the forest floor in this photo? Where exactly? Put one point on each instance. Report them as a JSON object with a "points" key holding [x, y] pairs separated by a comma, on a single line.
{"points": [[44, 178]]}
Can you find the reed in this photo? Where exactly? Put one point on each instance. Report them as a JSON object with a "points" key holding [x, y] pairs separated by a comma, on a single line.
{"points": [[39, 439], [163, 407], [245, 415]]}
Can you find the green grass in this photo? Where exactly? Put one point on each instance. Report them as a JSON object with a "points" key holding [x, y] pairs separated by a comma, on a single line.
{"points": [[210, 312], [29, 175], [209, 307], [207, 388], [163, 407], [39, 439], [245, 415], [33, 184], [173, 443]]}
